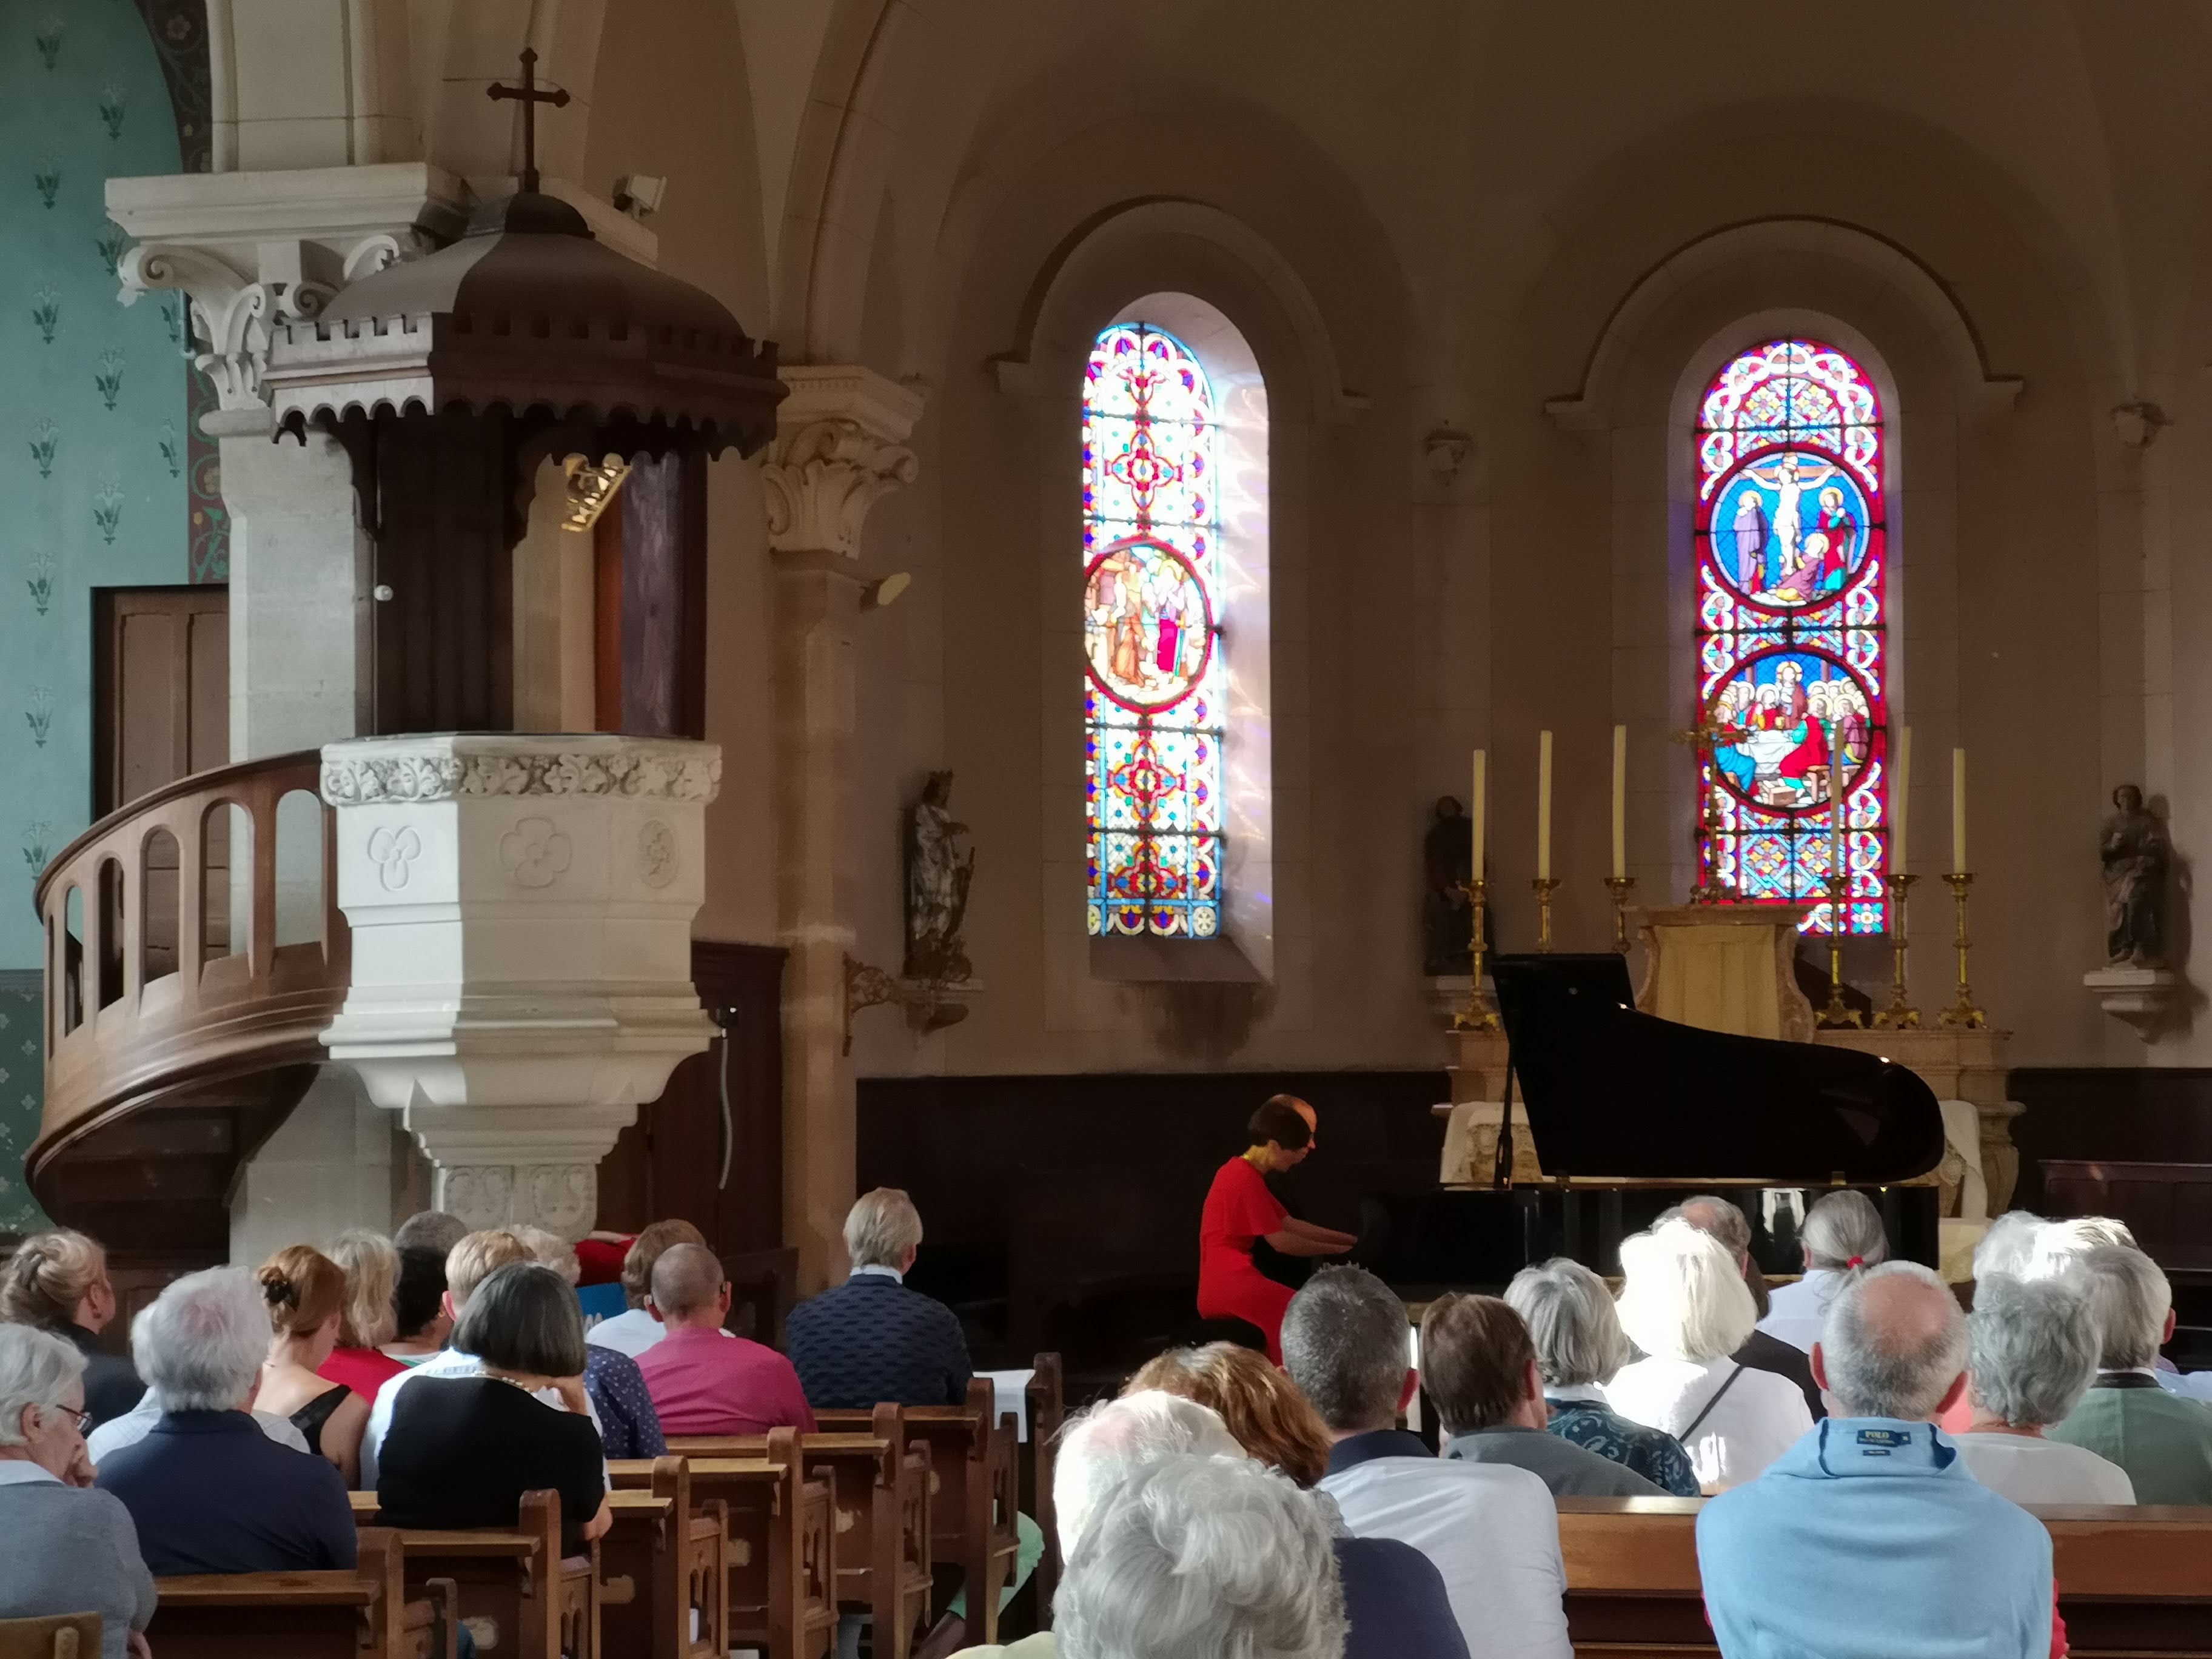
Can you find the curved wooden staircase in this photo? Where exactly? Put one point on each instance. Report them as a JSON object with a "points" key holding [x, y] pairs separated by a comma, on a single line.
{"points": [[192, 965]]}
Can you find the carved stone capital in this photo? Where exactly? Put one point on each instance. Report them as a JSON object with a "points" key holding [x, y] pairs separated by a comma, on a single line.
{"points": [[255, 252], [839, 448], [442, 767]]}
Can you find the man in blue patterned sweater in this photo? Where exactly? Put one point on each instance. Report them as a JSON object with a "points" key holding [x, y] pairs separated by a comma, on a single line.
{"points": [[871, 1339]]}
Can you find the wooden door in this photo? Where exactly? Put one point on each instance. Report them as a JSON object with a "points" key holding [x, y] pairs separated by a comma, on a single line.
{"points": [[650, 559], [161, 712], [669, 1163]]}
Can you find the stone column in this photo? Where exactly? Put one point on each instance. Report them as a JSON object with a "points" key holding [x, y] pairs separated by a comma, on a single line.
{"points": [[838, 449], [252, 250]]}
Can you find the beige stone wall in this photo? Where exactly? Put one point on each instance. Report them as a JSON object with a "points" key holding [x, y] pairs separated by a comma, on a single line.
{"points": [[1540, 224]]}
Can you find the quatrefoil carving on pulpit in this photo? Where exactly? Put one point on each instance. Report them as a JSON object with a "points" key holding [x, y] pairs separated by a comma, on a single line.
{"points": [[394, 851], [534, 853]]}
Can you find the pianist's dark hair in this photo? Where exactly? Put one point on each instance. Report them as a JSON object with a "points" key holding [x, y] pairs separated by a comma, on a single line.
{"points": [[1278, 1121]]}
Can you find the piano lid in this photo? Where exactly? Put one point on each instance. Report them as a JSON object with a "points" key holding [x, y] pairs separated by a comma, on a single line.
{"points": [[1614, 1093]]}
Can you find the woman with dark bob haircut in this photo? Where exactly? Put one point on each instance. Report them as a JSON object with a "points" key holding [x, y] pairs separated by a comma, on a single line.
{"points": [[1240, 1212], [462, 1451]]}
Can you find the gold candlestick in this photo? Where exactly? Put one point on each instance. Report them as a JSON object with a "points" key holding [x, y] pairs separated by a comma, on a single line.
{"points": [[1618, 886], [1900, 1015], [1545, 885], [1478, 1015], [1838, 1015], [1963, 1013]]}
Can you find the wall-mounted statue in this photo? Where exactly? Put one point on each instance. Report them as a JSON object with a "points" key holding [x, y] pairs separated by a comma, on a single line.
{"points": [[2134, 851], [939, 865], [1446, 864]]}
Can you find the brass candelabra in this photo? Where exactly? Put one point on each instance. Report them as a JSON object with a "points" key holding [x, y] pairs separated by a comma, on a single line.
{"points": [[1963, 1013], [1838, 1015], [1545, 886], [1900, 1015], [1619, 887], [1478, 1015]]}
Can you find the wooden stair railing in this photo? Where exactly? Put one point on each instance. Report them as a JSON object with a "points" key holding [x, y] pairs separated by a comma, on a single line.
{"points": [[178, 1032]]}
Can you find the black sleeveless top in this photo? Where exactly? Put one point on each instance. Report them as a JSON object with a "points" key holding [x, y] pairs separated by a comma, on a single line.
{"points": [[310, 1418]]}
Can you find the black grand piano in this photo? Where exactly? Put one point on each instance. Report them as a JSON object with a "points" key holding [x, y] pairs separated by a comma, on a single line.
{"points": [[1633, 1114]]}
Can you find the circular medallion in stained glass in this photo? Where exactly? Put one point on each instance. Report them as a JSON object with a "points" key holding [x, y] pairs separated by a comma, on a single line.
{"points": [[1776, 712], [1147, 625], [1791, 528]]}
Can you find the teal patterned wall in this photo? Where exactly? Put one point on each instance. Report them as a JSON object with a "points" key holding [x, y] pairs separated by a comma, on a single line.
{"points": [[99, 466]]}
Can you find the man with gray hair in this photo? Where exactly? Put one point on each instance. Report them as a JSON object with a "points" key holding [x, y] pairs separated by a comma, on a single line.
{"points": [[874, 1337], [1491, 1528], [1870, 1539], [2031, 1354], [207, 1490], [1192, 1558], [2163, 1440]]}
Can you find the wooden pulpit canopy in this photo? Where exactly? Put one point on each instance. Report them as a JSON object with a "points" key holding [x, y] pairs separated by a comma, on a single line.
{"points": [[529, 314]]}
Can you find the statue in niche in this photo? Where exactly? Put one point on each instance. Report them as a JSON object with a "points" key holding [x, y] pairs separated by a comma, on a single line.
{"points": [[1447, 866], [2133, 850], [939, 865]]}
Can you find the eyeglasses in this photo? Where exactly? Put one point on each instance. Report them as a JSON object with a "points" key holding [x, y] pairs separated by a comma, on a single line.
{"points": [[82, 1420]]}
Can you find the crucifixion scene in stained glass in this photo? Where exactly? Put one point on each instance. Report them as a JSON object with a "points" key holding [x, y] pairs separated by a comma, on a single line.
{"points": [[1791, 635], [1155, 684]]}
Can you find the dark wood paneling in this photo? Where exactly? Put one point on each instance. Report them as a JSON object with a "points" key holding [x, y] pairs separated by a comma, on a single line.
{"points": [[1062, 1212], [444, 646], [161, 688], [2146, 1114], [669, 1163]]}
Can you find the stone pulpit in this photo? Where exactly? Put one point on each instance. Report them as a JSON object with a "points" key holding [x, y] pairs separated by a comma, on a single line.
{"points": [[521, 908]]}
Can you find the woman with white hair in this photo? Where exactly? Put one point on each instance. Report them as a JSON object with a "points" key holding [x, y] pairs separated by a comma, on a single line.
{"points": [[1684, 1302], [1193, 1557], [2031, 1355], [67, 1548], [1580, 1347], [1842, 1233]]}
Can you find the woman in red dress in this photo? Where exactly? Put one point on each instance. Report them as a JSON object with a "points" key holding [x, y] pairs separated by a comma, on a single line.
{"points": [[1240, 1210]]}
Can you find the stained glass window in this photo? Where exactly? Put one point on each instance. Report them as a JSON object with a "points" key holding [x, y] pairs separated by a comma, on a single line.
{"points": [[1792, 645], [1155, 684]]}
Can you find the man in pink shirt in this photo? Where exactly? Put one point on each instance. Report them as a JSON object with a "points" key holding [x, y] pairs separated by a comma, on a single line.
{"points": [[703, 1379]]}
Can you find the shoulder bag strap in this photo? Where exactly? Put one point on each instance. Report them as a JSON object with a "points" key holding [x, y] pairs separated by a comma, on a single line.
{"points": [[1684, 1436]]}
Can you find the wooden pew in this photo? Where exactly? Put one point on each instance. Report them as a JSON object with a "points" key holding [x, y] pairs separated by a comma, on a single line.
{"points": [[57, 1636], [879, 1486], [361, 1615], [974, 1494], [782, 1546], [2131, 1580], [1047, 1403], [538, 1606], [675, 1555]]}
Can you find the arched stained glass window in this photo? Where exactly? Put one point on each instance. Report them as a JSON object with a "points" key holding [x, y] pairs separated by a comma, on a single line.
{"points": [[1792, 645], [1155, 684]]}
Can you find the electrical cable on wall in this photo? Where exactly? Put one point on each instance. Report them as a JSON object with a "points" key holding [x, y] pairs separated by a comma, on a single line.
{"points": [[724, 1017]]}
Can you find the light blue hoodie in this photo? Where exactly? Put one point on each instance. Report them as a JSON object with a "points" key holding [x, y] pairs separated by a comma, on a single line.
{"points": [[1869, 1539]]}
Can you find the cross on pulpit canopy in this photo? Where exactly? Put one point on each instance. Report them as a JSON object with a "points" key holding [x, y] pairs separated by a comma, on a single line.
{"points": [[529, 94]]}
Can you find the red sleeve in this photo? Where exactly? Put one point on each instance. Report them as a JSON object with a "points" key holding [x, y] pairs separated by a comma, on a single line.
{"points": [[600, 1259], [1252, 1210]]}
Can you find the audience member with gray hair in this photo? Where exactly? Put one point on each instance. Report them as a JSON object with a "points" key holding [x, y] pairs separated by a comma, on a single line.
{"points": [[1870, 1539], [1491, 1530], [2007, 1245], [2031, 1354], [1762, 1352], [1580, 1347], [1683, 1301], [875, 1337], [1842, 1233], [69, 1548], [207, 1490], [2163, 1440], [1195, 1558]]}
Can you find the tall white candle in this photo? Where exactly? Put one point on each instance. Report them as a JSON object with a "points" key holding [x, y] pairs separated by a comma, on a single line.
{"points": [[1480, 810], [1837, 869], [1900, 800], [1958, 811], [1620, 800], [1544, 807]]}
